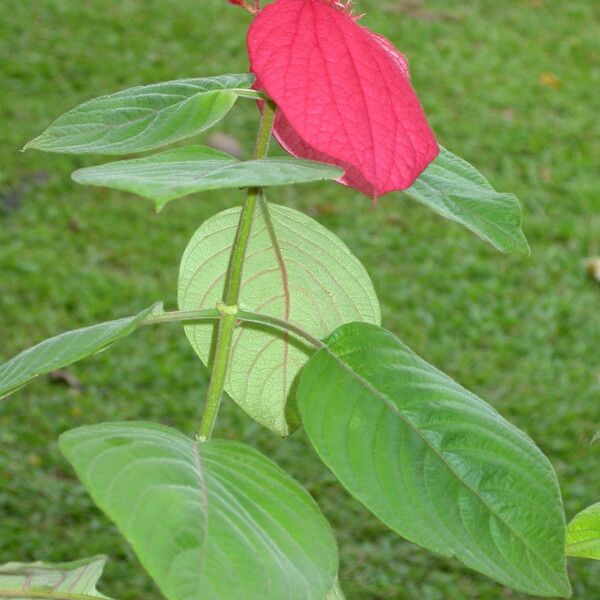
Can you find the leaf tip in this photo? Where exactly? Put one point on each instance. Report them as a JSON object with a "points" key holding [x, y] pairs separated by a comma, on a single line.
{"points": [[76, 176], [30, 144]]}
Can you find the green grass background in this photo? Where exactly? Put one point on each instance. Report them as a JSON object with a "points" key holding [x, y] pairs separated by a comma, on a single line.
{"points": [[511, 86]]}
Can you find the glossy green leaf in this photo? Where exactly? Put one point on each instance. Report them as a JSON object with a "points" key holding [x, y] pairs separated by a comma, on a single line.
{"points": [[144, 117], [583, 534], [62, 581], [208, 520], [65, 349], [432, 461], [309, 278], [457, 191], [182, 171]]}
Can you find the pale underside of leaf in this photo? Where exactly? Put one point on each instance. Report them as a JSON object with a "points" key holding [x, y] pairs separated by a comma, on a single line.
{"points": [[208, 520], [583, 534], [144, 117], [182, 171], [60, 581], [457, 191], [65, 349], [308, 277], [433, 461]]}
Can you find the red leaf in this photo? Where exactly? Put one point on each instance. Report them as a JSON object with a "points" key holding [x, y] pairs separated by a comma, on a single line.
{"points": [[343, 92]]}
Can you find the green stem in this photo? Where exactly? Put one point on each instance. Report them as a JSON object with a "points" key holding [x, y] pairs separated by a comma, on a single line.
{"points": [[212, 314], [223, 335]]}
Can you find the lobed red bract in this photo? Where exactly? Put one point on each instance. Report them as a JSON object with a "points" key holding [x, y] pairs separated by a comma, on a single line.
{"points": [[343, 94]]}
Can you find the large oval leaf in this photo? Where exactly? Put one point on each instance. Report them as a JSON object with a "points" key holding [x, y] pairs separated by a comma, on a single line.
{"points": [[182, 171], [309, 278], [75, 580], [65, 349], [432, 461], [208, 520], [457, 191], [144, 117], [583, 534]]}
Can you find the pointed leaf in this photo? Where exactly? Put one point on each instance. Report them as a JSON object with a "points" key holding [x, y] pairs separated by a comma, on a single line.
{"points": [[182, 171], [432, 461], [64, 581], [343, 94], [457, 191], [144, 117], [310, 279], [583, 534], [65, 349], [208, 520]]}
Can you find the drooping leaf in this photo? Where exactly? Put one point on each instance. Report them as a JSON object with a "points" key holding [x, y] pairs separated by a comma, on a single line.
{"points": [[63, 581], [208, 520], [432, 461], [65, 349], [583, 534], [309, 278], [457, 191], [343, 92], [182, 171], [144, 117]]}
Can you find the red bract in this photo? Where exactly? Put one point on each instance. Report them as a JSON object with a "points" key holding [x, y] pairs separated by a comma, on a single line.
{"points": [[343, 92]]}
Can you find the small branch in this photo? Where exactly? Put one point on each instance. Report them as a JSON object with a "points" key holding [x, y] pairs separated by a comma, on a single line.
{"points": [[211, 314], [245, 316], [250, 317]]}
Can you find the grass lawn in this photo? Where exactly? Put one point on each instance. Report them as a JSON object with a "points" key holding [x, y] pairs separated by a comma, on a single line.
{"points": [[511, 86]]}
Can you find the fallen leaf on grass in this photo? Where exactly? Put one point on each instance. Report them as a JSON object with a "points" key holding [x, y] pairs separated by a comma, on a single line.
{"points": [[592, 266], [550, 80]]}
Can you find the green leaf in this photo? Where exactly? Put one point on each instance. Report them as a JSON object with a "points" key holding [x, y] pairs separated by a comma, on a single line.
{"points": [[309, 278], [144, 117], [432, 461], [583, 534], [208, 520], [457, 191], [65, 349], [182, 171], [63, 581]]}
